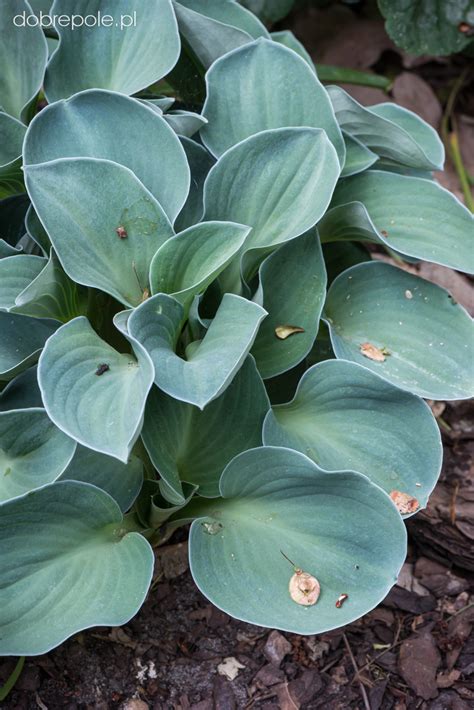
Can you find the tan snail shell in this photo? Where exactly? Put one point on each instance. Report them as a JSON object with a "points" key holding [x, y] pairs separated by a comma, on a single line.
{"points": [[304, 588]]}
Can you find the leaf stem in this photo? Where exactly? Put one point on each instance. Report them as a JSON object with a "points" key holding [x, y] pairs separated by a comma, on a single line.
{"points": [[10, 682], [327, 73]]}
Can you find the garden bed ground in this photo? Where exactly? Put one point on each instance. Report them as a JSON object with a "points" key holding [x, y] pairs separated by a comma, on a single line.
{"points": [[416, 650]]}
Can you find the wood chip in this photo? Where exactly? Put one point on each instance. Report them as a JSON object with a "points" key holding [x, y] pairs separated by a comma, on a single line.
{"points": [[404, 502], [283, 332], [230, 667], [373, 352]]}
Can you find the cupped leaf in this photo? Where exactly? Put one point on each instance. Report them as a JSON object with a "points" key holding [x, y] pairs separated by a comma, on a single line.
{"points": [[210, 364], [52, 294], [93, 393], [284, 198], [200, 162], [243, 97], [344, 416], [22, 341], [339, 527], [16, 273], [126, 55], [417, 147], [184, 123], [292, 291], [23, 55], [12, 133], [422, 338], [120, 480], [212, 28], [186, 444], [125, 131], [22, 392], [33, 451], [428, 26], [101, 571], [153, 508], [358, 156], [185, 265], [414, 216], [105, 226]]}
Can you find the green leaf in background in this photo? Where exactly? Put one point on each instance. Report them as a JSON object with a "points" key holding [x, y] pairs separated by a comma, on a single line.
{"points": [[93, 393], [212, 28], [113, 57], [338, 527], [22, 392], [428, 26], [12, 224], [16, 273], [36, 231], [101, 571], [33, 451], [269, 10], [292, 291], [358, 156], [120, 480], [187, 444], [387, 136], [125, 131], [382, 306], [21, 342], [243, 98], [23, 55], [186, 264], [84, 203], [210, 364], [12, 133], [200, 162], [153, 508], [414, 216], [281, 201], [339, 256], [344, 416], [52, 294]]}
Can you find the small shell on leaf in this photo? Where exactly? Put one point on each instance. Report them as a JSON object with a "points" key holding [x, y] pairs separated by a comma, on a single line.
{"points": [[304, 588], [404, 502], [373, 352], [283, 332]]}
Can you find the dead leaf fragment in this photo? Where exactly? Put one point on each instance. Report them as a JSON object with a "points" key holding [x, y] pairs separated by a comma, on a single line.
{"points": [[230, 667], [283, 332], [373, 352], [418, 663], [404, 502], [304, 588]]}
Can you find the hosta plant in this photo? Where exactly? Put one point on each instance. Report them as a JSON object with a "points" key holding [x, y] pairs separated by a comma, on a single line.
{"points": [[193, 330]]}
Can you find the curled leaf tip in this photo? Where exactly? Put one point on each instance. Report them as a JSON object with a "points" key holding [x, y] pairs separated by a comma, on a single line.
{"points": [[405, 503], [283, 332]]}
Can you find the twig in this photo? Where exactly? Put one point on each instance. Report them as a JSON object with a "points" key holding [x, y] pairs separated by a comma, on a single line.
{"points": [[354, 664], [395, 643], [461, 611]]}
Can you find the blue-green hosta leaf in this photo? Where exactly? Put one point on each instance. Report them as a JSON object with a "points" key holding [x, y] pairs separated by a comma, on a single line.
{"points": [[23, 55], [417, 147], [413, 216], [279, 182], [33, 451], [125, 131], [186, 444], [269, 10], [288, 39], [22, 392], [358, 156], [22, 341], [210, 364], [16, 273], [12, 133], [126, 56], [84, 203], [428, 26], [120, 480], [184, 123], [51, 294], [200, 162], [212, 28], [292, 290], [36, 231], [344, 416], [81, 568], [339, 256], [186, 264], [93, 393], [423, 340], [153, 508], [244, 99], [12, 224], [339, 527]]}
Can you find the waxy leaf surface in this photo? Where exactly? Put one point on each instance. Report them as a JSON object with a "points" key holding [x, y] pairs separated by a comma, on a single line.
{"points": [[21, 342]]}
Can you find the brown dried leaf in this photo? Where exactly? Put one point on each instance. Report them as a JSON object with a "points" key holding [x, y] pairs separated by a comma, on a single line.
{"points": [[304, 588], [404, 502], [283, 332], [414, 93], [373, 352]]}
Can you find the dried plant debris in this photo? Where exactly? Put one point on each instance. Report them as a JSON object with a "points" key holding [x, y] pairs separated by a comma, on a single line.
{"points": [[303, 587], [283, 332], [405, 503], [373, 352]]}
